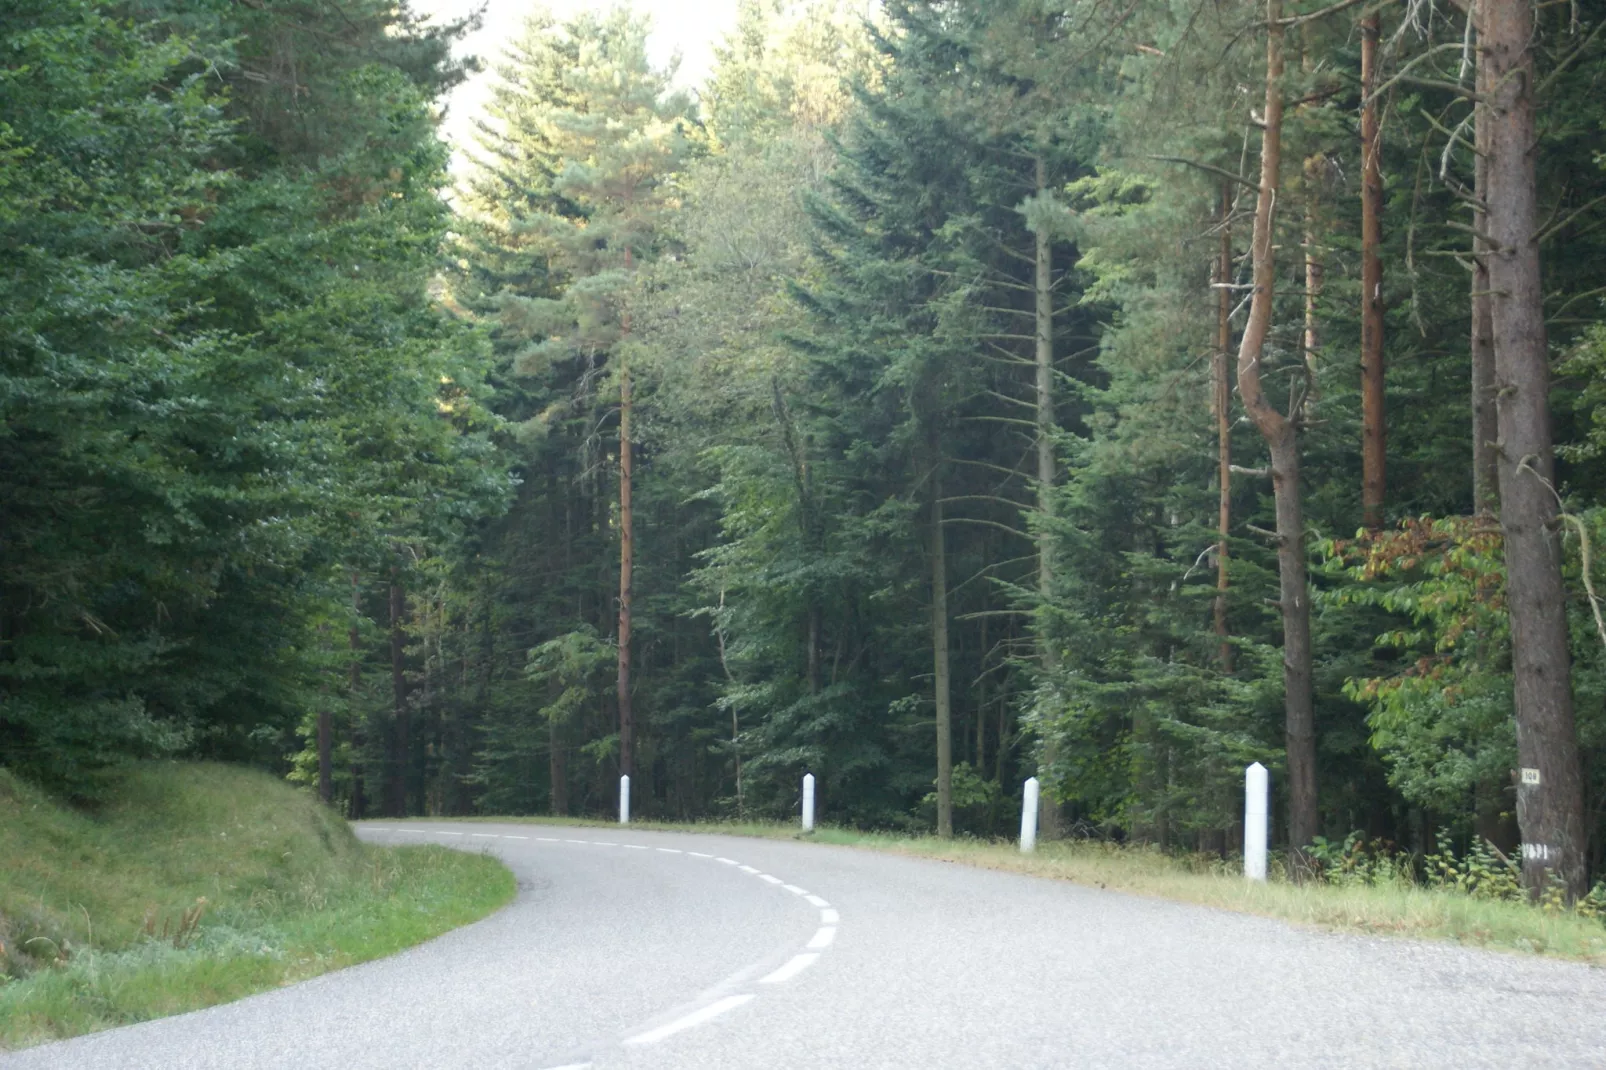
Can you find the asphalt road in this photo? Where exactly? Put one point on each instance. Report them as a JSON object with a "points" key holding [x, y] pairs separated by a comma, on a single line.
{"points": [[662, 950]]}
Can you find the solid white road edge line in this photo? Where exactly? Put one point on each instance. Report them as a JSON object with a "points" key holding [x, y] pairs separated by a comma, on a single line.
{"points": [[696, 1017], [795, 966], [822, 938]]}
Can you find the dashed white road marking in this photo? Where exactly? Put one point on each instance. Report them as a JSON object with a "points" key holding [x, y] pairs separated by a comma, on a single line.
{"points": [[696, 1017], [823, 937], [376, 828], [794, 966]]}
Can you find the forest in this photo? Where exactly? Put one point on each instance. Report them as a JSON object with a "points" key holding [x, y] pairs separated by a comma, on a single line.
{"points": [[939, 393]]}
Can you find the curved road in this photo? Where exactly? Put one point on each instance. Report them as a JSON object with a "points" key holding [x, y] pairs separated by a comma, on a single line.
{"points": [[668, 950]]}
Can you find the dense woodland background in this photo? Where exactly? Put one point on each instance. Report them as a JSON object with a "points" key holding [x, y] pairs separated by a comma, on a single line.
{"points": [[924, 369]]}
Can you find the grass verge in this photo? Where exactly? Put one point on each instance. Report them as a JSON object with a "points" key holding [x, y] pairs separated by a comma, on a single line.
{"points": [[1393, 908], [191, 885]]}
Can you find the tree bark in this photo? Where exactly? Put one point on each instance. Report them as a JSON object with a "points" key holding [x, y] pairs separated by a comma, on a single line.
{"points": [[557, 769], [627, 562], [325, 744], [1221, 394], [1048, 810], [398, 686], [1373, 434], [1315, 278], [1550, 795], [1278, 431], [358, 807], [1485, 417], [939, 655]]}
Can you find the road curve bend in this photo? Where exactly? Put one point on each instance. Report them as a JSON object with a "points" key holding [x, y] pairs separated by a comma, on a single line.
{"points": [[629, 949]]}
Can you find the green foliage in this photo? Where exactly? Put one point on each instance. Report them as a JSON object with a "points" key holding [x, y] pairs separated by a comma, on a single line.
{"points": [[224, 379], [1482, 872], [194, 884], [1442, 718]]}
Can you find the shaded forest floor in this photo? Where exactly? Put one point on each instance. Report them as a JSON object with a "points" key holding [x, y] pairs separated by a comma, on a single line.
{"points": [[185, 886], [1391, 907]]}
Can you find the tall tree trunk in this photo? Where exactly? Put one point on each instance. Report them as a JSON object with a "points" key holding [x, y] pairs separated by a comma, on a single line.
{"points": [[939, 656], [808, 526], [325, 744], [627, 561], [359, 799], [1315, 277], [557, 769], [398, 686], [1221, 403], [1048, 810], [1550, 795], [1373, 440], [1485, 417], [1279, 433], [981, 701]]}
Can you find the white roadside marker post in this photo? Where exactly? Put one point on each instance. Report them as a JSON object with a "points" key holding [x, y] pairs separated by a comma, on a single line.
{"points": [[624, 800], [1028, 817], [1257, 789], [808, 802]]}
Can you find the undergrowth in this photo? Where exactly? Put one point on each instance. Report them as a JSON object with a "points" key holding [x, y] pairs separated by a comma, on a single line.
{"points": [[192, 885], [1361, 889]]}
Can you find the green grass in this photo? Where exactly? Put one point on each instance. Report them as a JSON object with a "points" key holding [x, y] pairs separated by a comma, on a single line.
{"points": [[192, 885], [1396, 908]]}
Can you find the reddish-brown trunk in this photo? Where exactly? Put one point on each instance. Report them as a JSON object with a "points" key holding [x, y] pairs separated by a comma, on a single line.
{"points": [[1550, 795], [1485, 418], [1221, 403], [1373, 435], [1278, 431]]}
